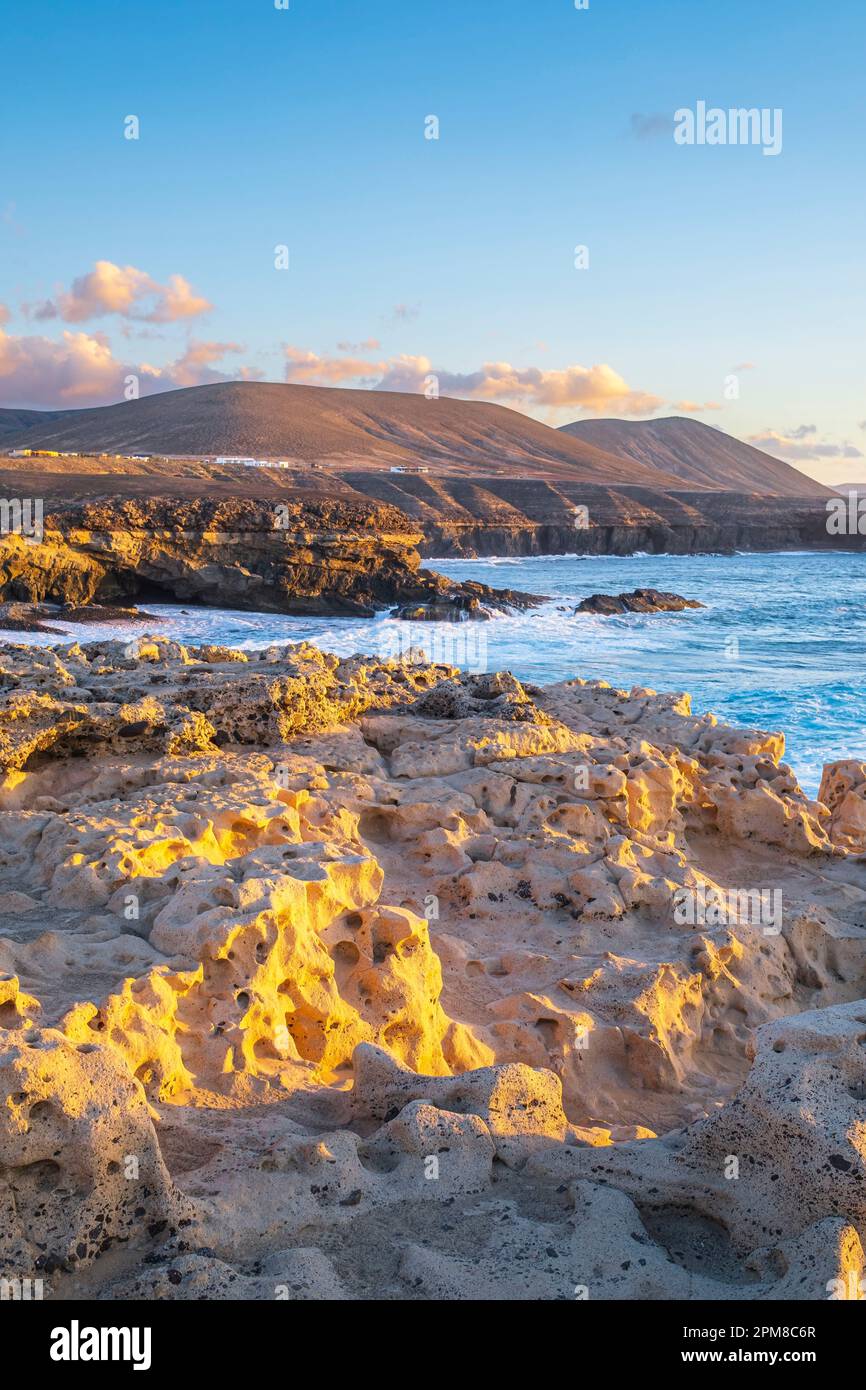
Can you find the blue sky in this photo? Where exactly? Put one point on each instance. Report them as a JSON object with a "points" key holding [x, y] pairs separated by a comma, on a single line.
{"points": [[305, 127]]}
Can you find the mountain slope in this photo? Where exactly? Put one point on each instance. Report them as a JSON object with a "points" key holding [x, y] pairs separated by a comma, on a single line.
{"points": [[697, 454], [13, 421], [314, 424]]}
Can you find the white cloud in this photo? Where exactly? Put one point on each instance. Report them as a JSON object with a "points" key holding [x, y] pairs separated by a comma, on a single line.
{"points": [[80, 369], [126, 291], [309, 368]]}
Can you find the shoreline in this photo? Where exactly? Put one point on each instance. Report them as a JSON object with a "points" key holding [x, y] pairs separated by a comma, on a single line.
{"points": [[633, 555], [771, 681]]}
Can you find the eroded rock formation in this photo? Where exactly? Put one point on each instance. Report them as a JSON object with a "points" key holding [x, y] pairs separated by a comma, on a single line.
{"points": [[311, 557], [336, 978]]}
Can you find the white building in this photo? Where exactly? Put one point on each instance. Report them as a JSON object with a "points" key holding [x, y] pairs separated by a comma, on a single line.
{"points": [[252, 463]]}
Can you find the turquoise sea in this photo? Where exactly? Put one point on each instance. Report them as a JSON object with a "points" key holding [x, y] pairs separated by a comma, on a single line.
{"points": [[781, 643]]}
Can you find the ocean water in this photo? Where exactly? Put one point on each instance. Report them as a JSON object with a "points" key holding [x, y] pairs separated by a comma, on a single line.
{"points": [[781, 643]]}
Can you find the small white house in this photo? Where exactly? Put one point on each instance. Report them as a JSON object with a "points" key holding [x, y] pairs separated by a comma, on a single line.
{"points": [[237, 461]]}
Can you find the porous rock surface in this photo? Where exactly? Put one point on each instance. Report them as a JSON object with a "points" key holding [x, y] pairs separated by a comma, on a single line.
{"points": [[334, 979]]}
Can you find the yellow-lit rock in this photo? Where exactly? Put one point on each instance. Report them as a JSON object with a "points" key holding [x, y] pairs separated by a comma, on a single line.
{"points": [[324, 943]]}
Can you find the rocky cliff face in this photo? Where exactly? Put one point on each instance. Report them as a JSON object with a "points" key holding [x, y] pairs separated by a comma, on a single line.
{"points": [[346, 526], [316, 557], [620, 523], [530, 516]]}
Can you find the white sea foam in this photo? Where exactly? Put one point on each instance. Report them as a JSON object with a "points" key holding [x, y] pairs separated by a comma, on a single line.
{"points": [[797, 622]]}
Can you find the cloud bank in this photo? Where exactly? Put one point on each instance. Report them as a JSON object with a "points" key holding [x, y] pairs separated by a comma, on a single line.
{"points": [[79, 369], [594, 389], [801, 446]]}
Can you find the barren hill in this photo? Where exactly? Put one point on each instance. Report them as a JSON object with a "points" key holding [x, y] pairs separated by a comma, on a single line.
{"points": [[696, 454], [315, 424], [493, 481], [13, 421]]}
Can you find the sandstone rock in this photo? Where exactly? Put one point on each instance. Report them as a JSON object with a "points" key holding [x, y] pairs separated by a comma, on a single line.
{"points": [[843, 792], [497, 696], [80, 1164], [17, 902], [384, 974]]}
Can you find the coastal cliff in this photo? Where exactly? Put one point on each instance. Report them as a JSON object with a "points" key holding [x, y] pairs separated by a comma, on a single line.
{"points": [[622, 523], [466, 478], [499, 516], [319, 556]]}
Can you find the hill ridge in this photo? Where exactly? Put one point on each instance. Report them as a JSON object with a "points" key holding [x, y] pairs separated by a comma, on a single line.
{"points": [[698, 454], [316, 424]]}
